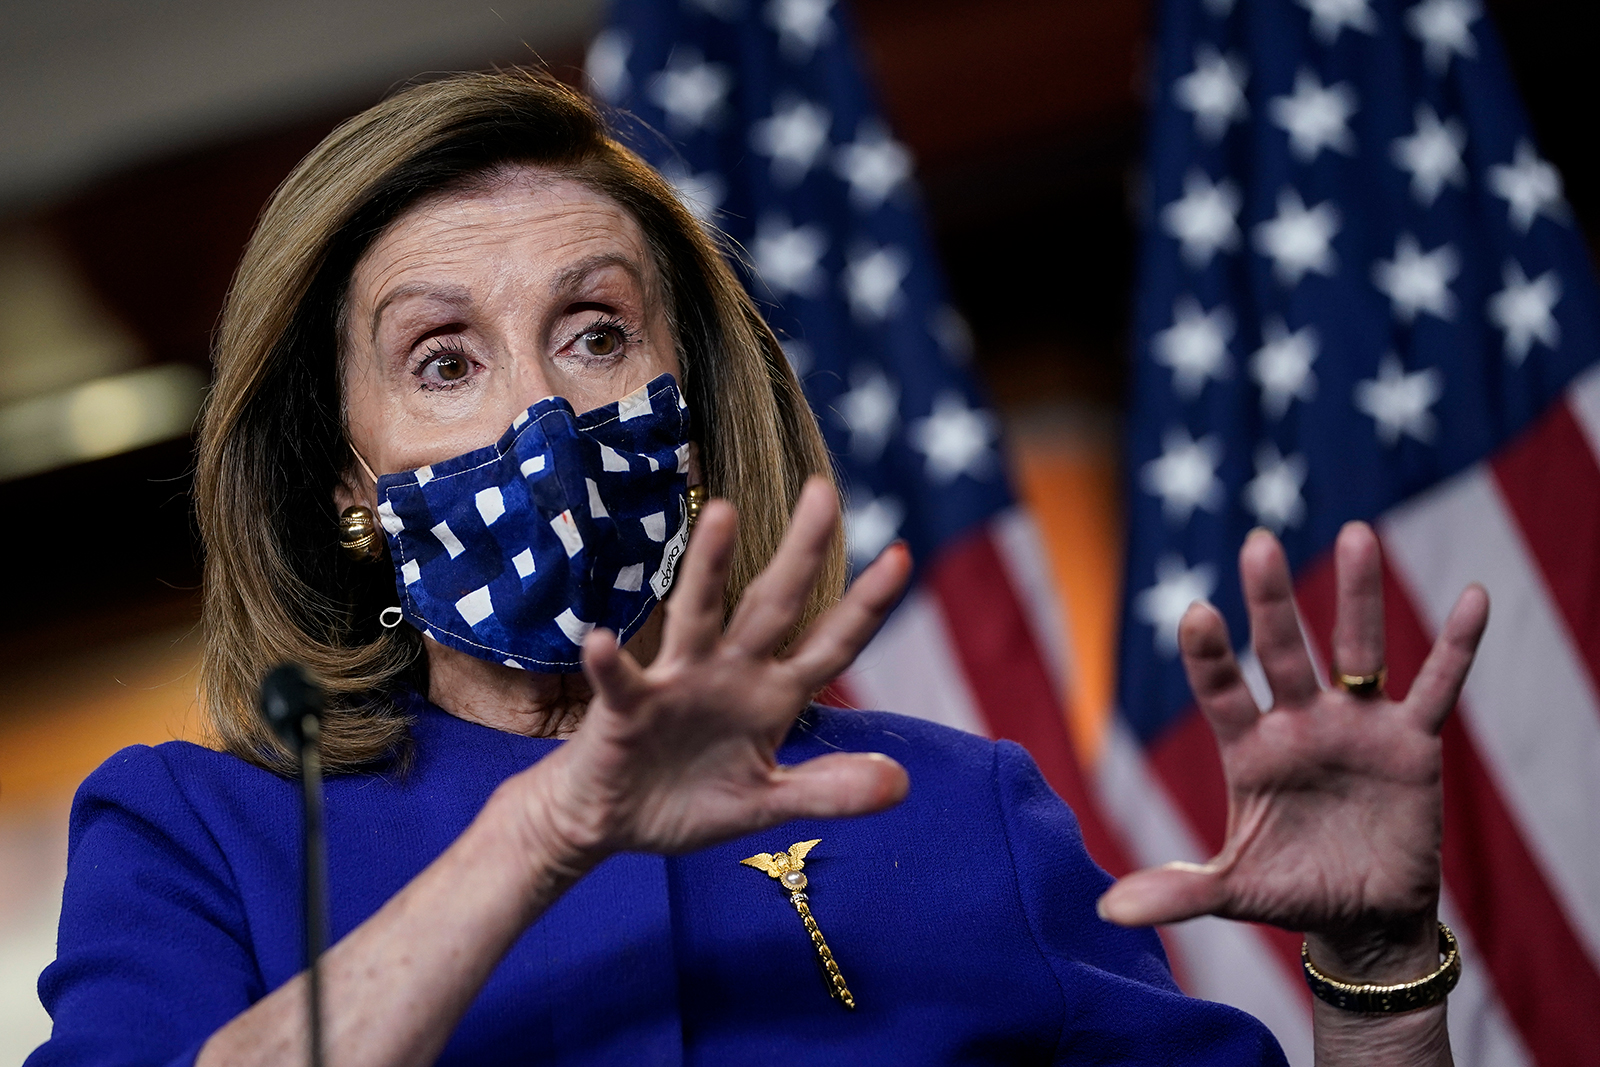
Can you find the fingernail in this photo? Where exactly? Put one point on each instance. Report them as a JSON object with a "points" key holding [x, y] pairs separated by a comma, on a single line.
{"points": [[1187, 867], [1100, 909]]}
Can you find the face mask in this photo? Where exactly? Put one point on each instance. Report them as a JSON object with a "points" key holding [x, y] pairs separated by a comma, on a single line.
{"points": [[514, 552]]}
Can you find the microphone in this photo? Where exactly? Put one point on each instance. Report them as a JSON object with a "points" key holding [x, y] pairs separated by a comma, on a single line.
{"points": [[292, 705]]}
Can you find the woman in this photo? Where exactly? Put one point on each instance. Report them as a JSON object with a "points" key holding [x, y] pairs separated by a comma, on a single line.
{"points": [[472, 314]]}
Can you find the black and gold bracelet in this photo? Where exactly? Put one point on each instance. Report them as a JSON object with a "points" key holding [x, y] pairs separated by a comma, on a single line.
{"points": [[1389, 999]]}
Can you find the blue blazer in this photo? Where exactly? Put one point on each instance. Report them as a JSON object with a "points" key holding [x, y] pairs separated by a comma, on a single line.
{"points": [[963, 919]]}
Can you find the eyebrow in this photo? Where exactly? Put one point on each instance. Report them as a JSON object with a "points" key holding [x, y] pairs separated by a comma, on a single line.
{"points": [[454, 295], [580, 271]]}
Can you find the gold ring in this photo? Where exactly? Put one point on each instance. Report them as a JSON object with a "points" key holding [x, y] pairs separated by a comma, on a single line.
{"points": [[1362, 685]]}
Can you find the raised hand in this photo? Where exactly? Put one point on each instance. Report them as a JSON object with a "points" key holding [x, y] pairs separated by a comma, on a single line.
{"points": [[1334, 798], [679, 754]]}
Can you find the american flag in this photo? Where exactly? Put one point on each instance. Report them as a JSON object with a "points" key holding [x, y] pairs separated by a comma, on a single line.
{"points": [[759, 113], [1363, 297]]}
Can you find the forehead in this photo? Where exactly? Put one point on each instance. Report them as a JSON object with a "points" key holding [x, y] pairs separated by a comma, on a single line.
{"points": [[524, 219]]}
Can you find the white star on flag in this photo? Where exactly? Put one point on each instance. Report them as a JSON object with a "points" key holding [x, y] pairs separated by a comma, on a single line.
{"points": [[1273, 495], [1204, 219], [1444, 28], [1195, 346], [1529, 186], [1329, 17], [872, 282], [1214, 91], [794, 137], [1432, 154], [606, 63], [870, 525], [787, 256], [868, 411], [1184, 476], [701, 193], [1316, 117], [801, 26], [1398, 402], [690, 90], [1282, 366], [1417, 281], [1298, 240], [957, 439], [1177, 586], [874, 164], [1526, 311], [1220, 8]]}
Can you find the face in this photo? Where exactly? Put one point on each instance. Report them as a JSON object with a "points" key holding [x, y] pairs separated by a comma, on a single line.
{"points": [[473, 306]]}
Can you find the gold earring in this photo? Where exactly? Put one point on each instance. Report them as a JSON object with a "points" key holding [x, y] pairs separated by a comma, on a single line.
{"points": [[358, 534], [696, 499]]}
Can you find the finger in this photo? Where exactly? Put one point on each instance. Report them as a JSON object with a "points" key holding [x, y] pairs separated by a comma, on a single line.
{"points": [[1166, 894], [1214, 674], [695, 606], [836, 785], [774, 601], [614, 675], [831, 643], [1438, 684], [1358, 627], [1274, 625]]}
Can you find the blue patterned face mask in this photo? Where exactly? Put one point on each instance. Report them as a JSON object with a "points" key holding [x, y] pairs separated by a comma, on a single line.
{"points": [[514, 552]]}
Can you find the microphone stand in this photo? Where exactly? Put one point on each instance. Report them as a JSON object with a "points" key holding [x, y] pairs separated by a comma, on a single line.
{"points": [[292, 704]]}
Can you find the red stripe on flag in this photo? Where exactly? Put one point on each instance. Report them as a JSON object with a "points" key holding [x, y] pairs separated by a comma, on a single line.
{"points": [[1551, 483], [1548, 985], [1003, 664]]}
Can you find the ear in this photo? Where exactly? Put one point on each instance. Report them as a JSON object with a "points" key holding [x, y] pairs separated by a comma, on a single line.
{"points": [[354, 488]]}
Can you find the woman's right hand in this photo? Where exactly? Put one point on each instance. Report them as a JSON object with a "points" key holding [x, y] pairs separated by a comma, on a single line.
{"points": [[681, 754]]}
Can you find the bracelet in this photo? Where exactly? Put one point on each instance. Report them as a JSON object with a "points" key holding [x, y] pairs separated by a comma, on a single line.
{"points": [[1389, 999]]}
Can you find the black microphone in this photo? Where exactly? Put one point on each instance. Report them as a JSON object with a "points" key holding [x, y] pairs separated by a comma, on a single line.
{"points": [[292, 705]]}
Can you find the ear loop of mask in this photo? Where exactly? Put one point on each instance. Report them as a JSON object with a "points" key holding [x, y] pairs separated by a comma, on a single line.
{"points": [[391, 616]]}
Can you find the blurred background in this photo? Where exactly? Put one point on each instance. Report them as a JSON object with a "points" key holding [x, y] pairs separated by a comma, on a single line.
{"points": [[140, 140]]}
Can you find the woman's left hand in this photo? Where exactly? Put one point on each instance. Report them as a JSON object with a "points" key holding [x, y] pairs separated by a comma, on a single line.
{"points": [[1334, 799]]}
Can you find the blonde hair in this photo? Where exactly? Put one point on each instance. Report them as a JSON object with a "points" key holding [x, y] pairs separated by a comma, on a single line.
{"points": [[272, 441]]}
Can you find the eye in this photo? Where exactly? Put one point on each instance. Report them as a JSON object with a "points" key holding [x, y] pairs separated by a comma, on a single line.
{"points": [[602, 340], [605, 339], [443, 367]]}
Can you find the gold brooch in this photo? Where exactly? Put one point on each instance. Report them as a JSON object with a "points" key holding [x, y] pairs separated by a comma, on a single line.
{"points": [[787, 867]]}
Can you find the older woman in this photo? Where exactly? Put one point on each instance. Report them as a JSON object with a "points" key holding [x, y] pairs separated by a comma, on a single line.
{"points": [[473, 315]]}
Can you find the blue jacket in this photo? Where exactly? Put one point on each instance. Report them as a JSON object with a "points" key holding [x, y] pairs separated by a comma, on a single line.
{"points": [[963, 919]]}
